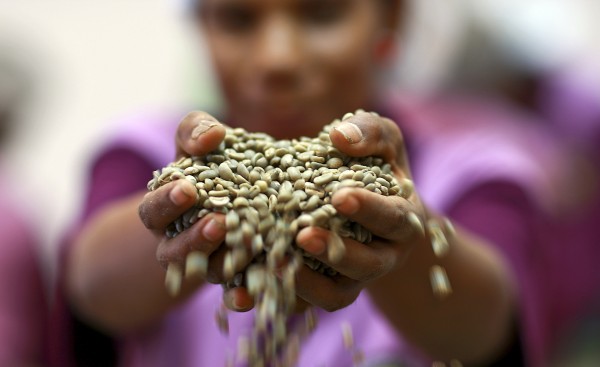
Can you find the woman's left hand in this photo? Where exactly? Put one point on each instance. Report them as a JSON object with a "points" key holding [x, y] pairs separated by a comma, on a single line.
{"points": [[396, 222]]}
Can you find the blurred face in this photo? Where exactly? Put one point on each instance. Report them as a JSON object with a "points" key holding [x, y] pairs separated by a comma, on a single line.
{"points": [[287, 67]]}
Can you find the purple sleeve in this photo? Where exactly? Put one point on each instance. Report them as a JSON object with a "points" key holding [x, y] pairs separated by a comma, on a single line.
{"points": [[123, 167], [501, 213], [116, 174], [23, 316]]}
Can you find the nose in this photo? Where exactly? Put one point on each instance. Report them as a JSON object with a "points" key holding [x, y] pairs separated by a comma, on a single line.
{"points": [[278, 51]]}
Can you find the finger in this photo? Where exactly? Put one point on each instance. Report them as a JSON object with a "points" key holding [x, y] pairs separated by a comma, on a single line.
{"points": [[238, 299], [198, 134], [367, 134], [328, 293], [360, 262], [162, 206], [391, 217], [204, 236]]}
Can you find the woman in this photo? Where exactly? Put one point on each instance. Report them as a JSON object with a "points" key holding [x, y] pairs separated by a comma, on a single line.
{"points": [[287, 67]]}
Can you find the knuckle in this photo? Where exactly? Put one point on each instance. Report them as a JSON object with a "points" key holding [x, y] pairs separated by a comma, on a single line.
{"points": [[392, 139], [397, 216], [145, 216], [388, 222], [193, 237]]}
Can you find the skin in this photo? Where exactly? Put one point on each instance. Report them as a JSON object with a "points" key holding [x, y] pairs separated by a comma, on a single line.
{"points": [[286, 67]]}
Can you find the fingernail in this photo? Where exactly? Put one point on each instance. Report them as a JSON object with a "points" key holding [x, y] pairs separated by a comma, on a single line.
{"points": [[181, 193], [202, 127], [234, 300], [213, 231], [345, 204], [244, 300], [237, 304], [314, 246], [350, 131]]}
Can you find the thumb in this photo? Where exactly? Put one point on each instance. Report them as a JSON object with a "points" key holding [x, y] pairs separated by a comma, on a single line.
{"points": [[368, 134], [198, 134]]}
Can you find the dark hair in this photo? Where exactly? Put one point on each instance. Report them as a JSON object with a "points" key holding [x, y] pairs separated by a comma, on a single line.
{"points": [[390, 8]]}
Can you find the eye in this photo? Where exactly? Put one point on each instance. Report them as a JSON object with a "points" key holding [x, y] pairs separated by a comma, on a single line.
{"points": [[323, 12], [234, 18]]}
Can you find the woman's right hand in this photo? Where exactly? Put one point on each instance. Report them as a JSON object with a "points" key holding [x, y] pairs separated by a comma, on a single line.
{"points": [[198, 134]]}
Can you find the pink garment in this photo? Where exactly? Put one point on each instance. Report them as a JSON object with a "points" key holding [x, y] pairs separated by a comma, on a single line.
{"points": [[570, 101], [478, 164], [189, 336], [23, 313], [553, 254]]}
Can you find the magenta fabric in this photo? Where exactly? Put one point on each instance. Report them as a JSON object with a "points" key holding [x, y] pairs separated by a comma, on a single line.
{"points": [[189, 336], [570, 101], [471, 148], [490, 170], [23, 305]]}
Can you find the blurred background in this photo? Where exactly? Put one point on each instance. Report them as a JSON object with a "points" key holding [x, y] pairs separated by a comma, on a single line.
{"points": [[71, 68], [77, 67]]}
